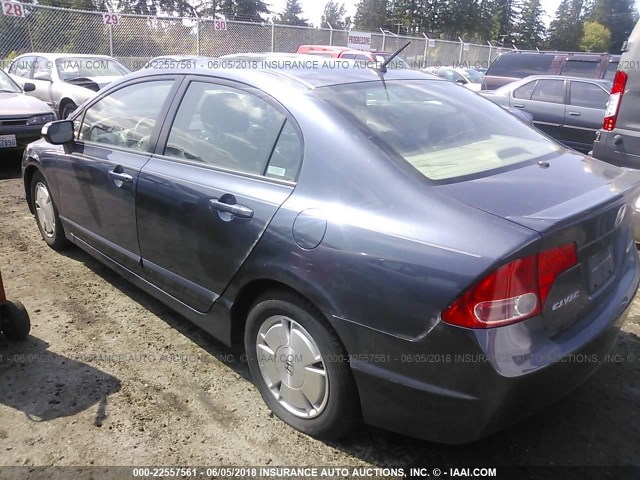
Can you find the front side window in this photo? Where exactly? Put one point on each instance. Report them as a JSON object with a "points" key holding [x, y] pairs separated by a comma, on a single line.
{"points": [[232, 129], [443, 134], [81, 67], [588, 95], [126, 118], [525, 91], [549, 91], [42, 65]]}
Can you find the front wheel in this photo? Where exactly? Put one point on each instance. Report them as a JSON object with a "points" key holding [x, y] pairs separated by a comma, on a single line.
{"points": [[67, 110], [47, 214], [300, 367]]}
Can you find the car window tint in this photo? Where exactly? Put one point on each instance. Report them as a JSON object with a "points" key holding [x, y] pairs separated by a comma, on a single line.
{"points": [[285, 160], [550, 91], [525, 91], [126, 117], [224, 127], [588, 95], [22, 67], [580, 68], [520, 65]]}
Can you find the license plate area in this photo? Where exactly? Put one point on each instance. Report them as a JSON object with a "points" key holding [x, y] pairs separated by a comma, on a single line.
{"points": [[8, 141], [600, 267]]}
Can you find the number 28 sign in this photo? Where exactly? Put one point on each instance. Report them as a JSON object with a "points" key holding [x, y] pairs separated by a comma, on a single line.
{"points": [[12, 9]]}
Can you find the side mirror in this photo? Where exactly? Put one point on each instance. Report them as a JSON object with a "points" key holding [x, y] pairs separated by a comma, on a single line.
{"points": [[59, 132], [28, 87], [44, 76]]}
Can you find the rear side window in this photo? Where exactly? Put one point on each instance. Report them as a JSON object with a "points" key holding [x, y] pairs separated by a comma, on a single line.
{"points": [[580, 68], [235, 130], [611, 70], [549, 91], [22, 67], [588, 95], [443, 131], [525, 91], [126, 118], [520, 65]]}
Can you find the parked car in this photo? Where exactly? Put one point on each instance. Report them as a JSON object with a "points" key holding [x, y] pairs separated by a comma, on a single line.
{"points": [[21, 117], [437, 268], [175, 61], [65, 80], [569, 109], [373, 56], [511, 66], [467, 78]]}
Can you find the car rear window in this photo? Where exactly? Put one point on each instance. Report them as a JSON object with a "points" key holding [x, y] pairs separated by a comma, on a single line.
{"points": [[520, 65], [580, 68], [444, 131], [611, 70]]}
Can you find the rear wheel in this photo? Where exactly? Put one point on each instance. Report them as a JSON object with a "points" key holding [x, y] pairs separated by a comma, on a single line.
{"points": [[300, 366], [46, 213], [67, 110]]}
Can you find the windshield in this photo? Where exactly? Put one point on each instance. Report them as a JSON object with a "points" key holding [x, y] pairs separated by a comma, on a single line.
{"points": [[474, 76], [76, 67], [7, 84], [443, 131]]}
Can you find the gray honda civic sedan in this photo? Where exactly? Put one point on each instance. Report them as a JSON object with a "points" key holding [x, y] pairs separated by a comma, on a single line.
{"points": [[388, 247]]}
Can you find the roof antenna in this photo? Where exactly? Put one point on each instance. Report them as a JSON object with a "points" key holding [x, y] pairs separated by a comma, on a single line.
{"points": [[383, 67]]}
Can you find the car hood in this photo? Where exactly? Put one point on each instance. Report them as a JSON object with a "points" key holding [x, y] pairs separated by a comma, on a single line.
{"points": [[17, 104], [93, 83], [541, 197]]}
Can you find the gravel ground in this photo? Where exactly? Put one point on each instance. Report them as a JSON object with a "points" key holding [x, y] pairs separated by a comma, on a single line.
{"points": [[110, 376]]}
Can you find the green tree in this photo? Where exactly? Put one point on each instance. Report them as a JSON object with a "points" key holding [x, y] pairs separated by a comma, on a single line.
{"points": [[372, 15], [334, 14], [243, 10], [291, 15], [618, 16], [565, 31], [530, 29], [595, 38], [504, 20]]}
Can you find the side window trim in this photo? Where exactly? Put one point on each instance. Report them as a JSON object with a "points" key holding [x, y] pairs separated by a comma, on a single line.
{"points": [[172, 112], [177, 81], [513, 93]]}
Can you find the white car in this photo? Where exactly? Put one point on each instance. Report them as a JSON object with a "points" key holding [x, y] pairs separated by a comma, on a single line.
{"points": [[65, 80], [471, 79]]}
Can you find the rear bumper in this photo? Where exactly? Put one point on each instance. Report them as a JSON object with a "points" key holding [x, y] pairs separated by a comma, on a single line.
{"points": [[473, 384]]}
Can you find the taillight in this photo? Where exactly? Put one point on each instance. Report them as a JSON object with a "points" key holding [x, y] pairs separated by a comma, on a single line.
{"points": [[613, 106], [512, 293]]}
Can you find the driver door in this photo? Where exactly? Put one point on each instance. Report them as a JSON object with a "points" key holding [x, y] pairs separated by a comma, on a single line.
{"points": [[98, 179]]}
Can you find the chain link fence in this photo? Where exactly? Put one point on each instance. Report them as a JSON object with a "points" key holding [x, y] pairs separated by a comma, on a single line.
{"points": [[134, 39]]}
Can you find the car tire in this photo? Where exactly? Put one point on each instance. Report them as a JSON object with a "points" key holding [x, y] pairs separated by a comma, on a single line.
{"points": [[15, 321], [67, 110], [46, 213], [316, 393]]}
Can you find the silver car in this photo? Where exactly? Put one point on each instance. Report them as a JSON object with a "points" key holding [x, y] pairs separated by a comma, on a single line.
{"points": [[65, 80]]}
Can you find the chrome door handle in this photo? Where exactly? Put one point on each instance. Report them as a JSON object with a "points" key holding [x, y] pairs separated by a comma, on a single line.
{"points": [[235, 209], [518, 105], [120, 177], [574, 114]]}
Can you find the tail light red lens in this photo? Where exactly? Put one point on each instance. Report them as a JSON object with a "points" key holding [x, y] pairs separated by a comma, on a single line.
{"points": [[512, 293], [613, 106]]}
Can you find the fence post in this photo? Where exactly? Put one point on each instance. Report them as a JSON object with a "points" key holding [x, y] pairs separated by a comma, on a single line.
{"points": [[198, 32], [426, 50], [384, 39], [110, 40], [330, 34], [461, 49], [490, 52], [273, 36]]}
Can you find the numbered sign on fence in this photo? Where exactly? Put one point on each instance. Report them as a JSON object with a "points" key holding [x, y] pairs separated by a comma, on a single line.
{"points": [[12, 9], [111, 18], [466, 47], [432, 43], [219, 24]]}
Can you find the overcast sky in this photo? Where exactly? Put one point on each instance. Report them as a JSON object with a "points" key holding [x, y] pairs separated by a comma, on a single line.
{"points": [[313, 8]]}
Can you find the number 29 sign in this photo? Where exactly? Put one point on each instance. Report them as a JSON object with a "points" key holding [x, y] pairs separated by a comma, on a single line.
{"points": [[110, 18], [12, 9]]}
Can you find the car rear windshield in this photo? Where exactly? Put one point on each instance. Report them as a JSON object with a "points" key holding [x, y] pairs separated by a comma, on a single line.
{"points": [[444, 131], [519, 65]]}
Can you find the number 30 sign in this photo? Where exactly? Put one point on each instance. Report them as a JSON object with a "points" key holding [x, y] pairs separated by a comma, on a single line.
{"points": [[12, 9]]}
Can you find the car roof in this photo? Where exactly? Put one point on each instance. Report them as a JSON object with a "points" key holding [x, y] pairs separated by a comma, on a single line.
{"points": [[571, 55], [53, 56], [330, 72], [567, 77]]}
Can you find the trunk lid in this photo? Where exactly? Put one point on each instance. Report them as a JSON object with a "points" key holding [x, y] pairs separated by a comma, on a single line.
{"points": [[573, 199]]}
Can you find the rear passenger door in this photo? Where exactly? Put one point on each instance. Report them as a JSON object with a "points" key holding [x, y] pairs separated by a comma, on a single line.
{"points": [[584, 114], [544, 99], [227, 159]]}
